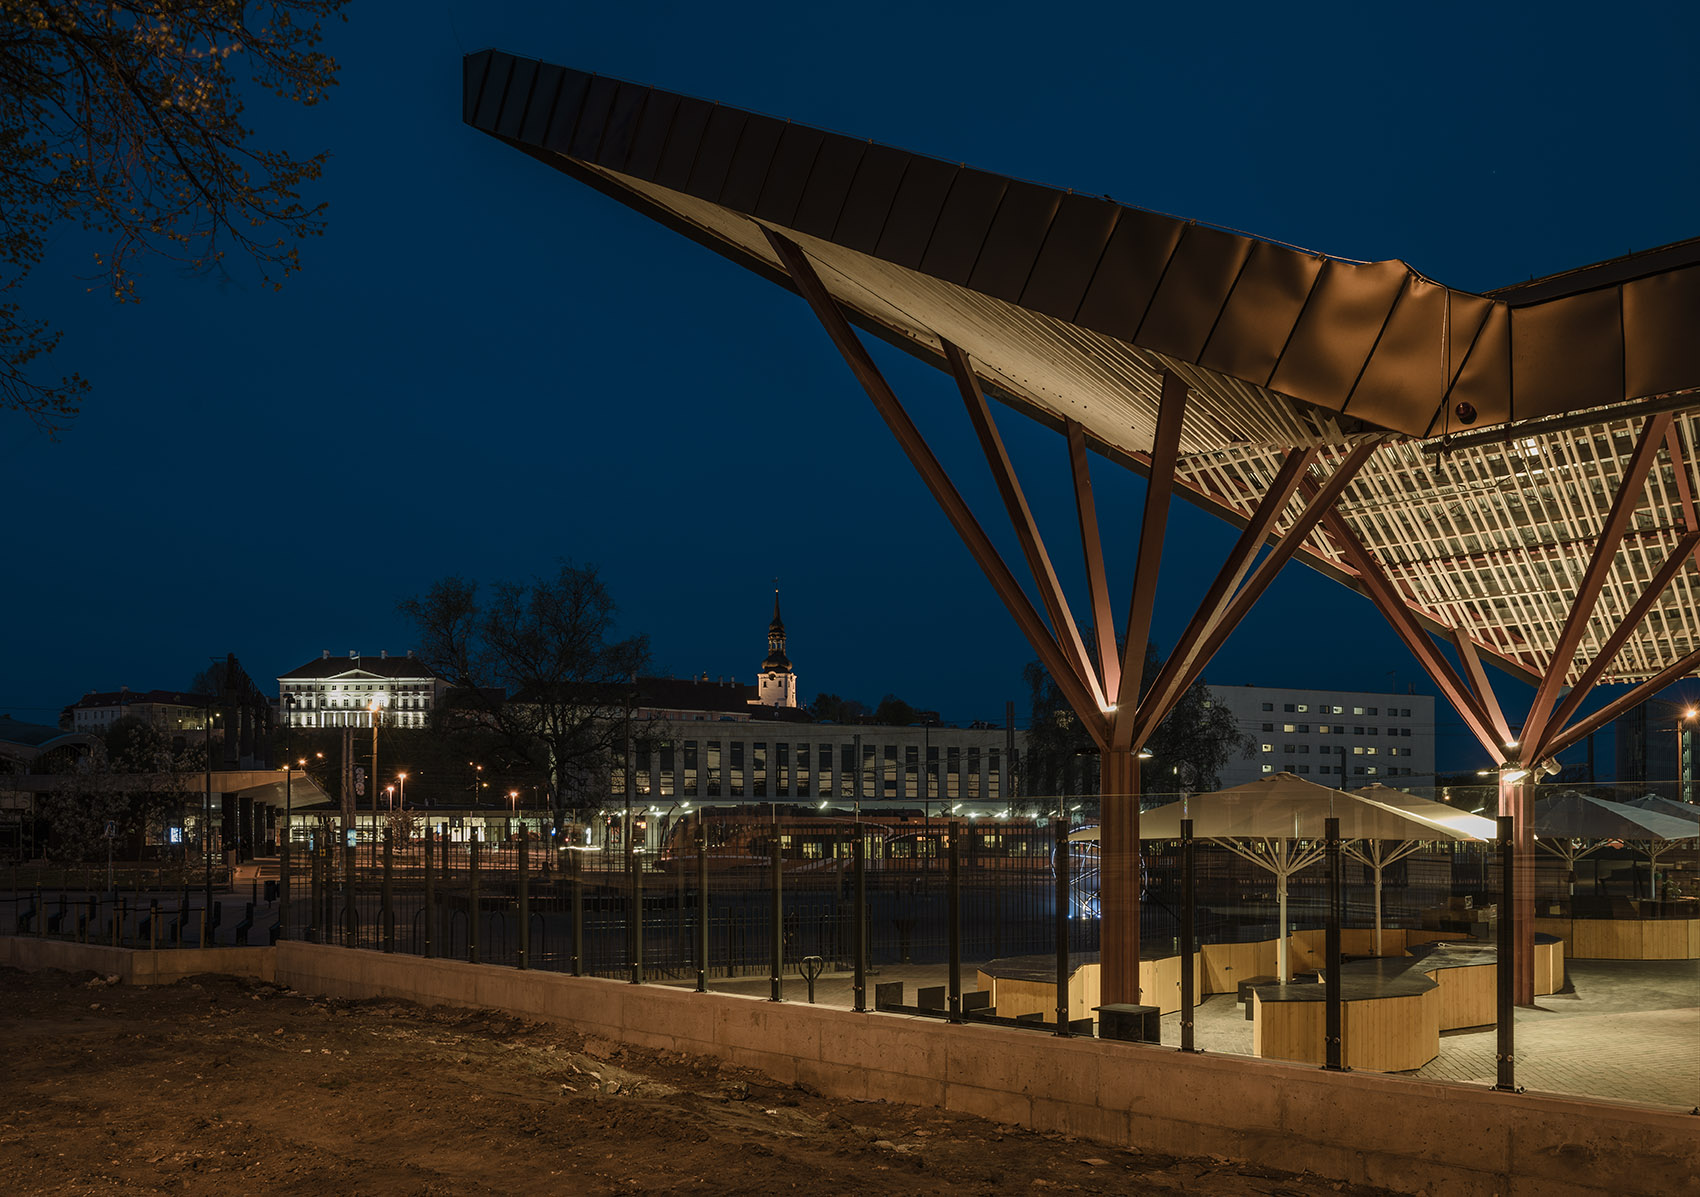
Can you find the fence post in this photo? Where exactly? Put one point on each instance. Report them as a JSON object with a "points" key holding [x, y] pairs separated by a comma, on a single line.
{"points": [[1333, 1052], [702, 902], [1189, 938], [153, 925], [777, 987], [524, 900], [953, 904], [634, 916], [389, 890], [859, 985], [351, 916], [578, 916], [428, 916], [1062, 870], [283, 890], [472, 900], [1506, 973]]}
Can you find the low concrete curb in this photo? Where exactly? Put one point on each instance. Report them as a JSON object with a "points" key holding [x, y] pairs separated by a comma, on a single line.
{"points": [[1404, 1134]]}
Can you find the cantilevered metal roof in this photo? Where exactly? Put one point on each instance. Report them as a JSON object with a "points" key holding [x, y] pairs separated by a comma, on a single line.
{"points": [[1507, 418]]}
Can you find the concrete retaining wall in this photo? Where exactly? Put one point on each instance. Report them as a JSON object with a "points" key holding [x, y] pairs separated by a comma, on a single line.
{"points": [[137, 966], [1409, 1135]]}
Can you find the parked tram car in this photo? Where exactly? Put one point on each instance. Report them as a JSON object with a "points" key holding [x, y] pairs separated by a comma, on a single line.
{"points": [[897, 841]]}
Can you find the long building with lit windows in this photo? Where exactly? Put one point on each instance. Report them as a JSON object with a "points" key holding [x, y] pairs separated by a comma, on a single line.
{"points": [[1343, 738], [717, 742], [342, 691]]}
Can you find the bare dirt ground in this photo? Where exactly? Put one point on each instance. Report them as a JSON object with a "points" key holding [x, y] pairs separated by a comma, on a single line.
{"points": [[219, 1086]]}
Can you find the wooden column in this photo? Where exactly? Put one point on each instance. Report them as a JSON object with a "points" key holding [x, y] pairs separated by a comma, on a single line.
{"points": [[1118, 874], [1516, 798]]}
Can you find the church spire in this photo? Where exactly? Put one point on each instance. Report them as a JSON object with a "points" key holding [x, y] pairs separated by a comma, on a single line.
{"points": [[778, 682]]}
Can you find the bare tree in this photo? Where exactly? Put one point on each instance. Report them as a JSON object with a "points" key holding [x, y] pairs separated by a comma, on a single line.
{"points": [[534, 663], [125, 118]]}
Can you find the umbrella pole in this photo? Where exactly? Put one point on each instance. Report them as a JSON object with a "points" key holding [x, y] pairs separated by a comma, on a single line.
{"points": [[1281, 905], [1377, 867]]}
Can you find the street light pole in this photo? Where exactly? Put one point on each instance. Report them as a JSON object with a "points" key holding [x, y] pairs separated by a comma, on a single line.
{"points": [[288, 765]]}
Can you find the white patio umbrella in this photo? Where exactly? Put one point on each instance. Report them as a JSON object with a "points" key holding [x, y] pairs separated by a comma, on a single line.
{"points": [[1572, 824], [1276, 823], [1430, 821]]}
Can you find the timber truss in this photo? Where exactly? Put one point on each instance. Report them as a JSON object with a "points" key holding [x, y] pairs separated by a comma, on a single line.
{"points": [[1101, 683], [1508, 476]]}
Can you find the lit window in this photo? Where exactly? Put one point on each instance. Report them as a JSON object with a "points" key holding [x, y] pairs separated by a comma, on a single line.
{"points": [[1287, 727], [1357, 750], [1303, 707], [1269, 748], [1357, 710], [1269, 768]]}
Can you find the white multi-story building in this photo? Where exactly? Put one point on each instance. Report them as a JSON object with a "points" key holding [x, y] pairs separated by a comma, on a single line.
{"points": [[343, 692], [1344, 738], [170, 711], [725, 743]]}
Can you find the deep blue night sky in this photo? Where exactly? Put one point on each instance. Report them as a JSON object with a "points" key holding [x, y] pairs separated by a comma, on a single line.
{"points": [[485, 367]]}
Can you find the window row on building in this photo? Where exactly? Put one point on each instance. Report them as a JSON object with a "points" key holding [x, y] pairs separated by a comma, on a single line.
{"points": [[1324, 708], [745, 768]]}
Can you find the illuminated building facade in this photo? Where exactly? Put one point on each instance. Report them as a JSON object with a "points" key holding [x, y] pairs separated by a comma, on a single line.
{"points": [[341, 691]]}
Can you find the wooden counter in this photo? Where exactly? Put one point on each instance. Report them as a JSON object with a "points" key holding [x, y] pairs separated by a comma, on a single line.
{"points": [[1394, 1009], [1627, 939]]}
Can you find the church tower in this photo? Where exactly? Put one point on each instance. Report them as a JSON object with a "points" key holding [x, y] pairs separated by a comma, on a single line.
{"points": [[778, 683]]}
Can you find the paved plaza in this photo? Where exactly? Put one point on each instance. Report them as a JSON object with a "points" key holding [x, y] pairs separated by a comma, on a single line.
{"points": [[1621, 1029]]}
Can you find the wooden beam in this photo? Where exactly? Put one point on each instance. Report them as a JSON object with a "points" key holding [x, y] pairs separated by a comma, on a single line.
{"points": [[1622, 703], [1091, 544], [1021, 519], [1594, 579], [1381, 590], [1478, 680], [1167, 689], [938, 482], [1159, 488], [1626, 627], [1318, 502]]}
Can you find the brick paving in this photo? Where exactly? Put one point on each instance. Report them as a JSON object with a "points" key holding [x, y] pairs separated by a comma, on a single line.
{"points": [[1623, 1029]]}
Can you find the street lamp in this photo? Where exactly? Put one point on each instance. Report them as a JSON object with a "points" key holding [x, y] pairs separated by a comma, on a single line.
{"points": [[1684, 765], [401, 779], [288, 765]]}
